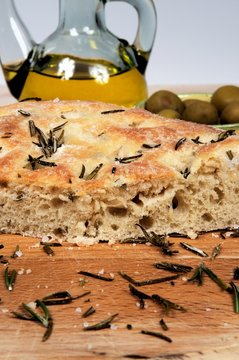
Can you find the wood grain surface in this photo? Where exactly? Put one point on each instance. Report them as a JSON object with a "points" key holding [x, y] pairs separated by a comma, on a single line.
{"points": [[207, 330]]}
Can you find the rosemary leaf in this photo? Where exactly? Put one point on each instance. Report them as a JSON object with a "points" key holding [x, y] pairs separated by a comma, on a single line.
{"points": [[10, 277], [229, 154], [91, 310], [236, 273], [128, 159], [235, 297], [93, 173], [23, 112], [177, 268], [215, 278], [180, 142], [112, 111], [216, 251], [48, 331], [32, 128], [96, 276], [35, 315], [194, 249], [82, 172], [48, 250], [163, 325], [104, 324], [151, 146], [156, 334]]}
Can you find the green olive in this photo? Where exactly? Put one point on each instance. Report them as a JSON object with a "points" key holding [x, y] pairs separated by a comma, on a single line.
{"points": [[225, 95], [164, 99], [170, 113], [201, 112], [230, 114], [188, 102]]}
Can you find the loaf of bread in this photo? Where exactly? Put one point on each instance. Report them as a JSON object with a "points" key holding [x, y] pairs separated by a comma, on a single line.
{"points": [[87, 171]]}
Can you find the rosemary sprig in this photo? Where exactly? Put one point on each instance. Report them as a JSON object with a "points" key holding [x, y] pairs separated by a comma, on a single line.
{"points": [[202, 268], [149, 281], [10, 278], [177, 268], [31, 315], [224, 135], [159, 241], [166, 304], [37, 161], [157, 334], [48, 143], [45, 319], [194, 249], [96, 276], [104, 324]]}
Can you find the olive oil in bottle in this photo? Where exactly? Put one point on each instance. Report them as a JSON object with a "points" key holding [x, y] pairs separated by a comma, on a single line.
{"points": [[68, 77]]}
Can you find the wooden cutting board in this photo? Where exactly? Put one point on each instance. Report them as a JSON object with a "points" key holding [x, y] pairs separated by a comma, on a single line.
{"points": [[207, 330]]}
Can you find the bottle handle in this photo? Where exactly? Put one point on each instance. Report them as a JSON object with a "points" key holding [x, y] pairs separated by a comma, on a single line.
{"points": [[147, 24]]}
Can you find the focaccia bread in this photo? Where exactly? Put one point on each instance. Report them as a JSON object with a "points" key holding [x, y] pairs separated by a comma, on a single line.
{"points": [[85, 172]]}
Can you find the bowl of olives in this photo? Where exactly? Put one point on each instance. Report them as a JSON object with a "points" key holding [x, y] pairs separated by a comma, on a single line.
{"points": [[220, 108]]}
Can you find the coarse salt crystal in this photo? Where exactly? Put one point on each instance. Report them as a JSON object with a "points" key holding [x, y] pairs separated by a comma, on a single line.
{"points": [[4, 311], [78, 310], [28, 271], [46, 238], [19, 253], [101, 272], [32, 305], [113, 326], [21, 271], [85, 324]]}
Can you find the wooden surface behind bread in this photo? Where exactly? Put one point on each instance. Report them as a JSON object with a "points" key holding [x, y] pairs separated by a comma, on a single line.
{"points": [[208, 330]]}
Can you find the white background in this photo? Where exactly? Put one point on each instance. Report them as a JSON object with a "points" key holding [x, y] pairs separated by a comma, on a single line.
{"points": [[197, 41]]}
